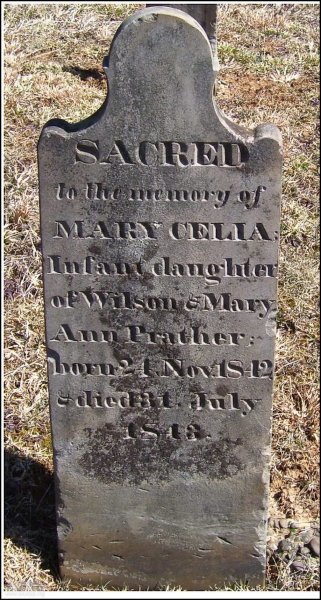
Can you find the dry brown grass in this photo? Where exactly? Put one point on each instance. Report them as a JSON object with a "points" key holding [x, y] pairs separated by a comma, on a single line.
{"points": [[269, 72]]}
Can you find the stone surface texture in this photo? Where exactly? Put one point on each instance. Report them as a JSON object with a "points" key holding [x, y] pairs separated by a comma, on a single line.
{"points": [[205, 14], [160, 224]]}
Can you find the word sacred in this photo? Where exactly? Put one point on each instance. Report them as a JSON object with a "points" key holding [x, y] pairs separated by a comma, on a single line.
{"points": [[179, 154]]}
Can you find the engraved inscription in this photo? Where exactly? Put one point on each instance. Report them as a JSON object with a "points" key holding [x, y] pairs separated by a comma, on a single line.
{"points": [[219, 232], [98, 191], [106, 231], [137, 334], [150, 431], [163, 154], [146, 401], [178, 231], [194, 302], [167, 368], [164, 267]]}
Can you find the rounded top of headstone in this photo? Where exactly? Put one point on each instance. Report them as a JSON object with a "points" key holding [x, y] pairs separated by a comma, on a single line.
{"points": [[161, 69], [161, 79], [163, 16]]}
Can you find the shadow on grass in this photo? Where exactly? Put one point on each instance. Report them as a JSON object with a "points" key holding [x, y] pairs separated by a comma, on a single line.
{"points": [[85, 74], [29, 508]]}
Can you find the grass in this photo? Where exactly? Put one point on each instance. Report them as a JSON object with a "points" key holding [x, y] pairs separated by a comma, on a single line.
{"points": [[53, 67]]}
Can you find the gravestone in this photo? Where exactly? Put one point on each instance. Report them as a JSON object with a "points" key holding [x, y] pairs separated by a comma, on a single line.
{"points": [[160, 225]]}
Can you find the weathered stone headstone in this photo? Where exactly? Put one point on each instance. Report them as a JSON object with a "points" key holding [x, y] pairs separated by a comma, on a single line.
{"points": [[160, 222]]}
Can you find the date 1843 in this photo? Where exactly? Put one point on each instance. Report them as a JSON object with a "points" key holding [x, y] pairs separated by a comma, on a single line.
{"points": [[152, 431]]}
